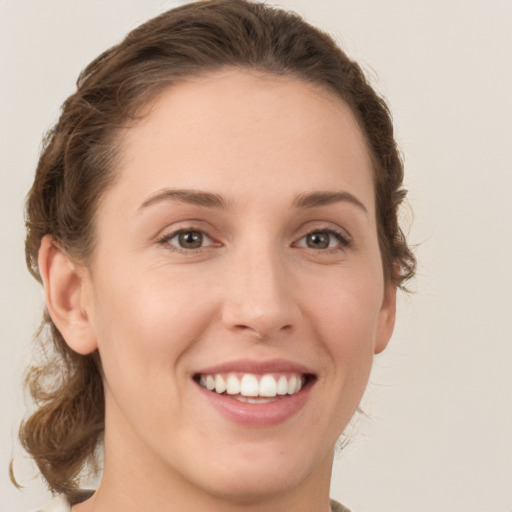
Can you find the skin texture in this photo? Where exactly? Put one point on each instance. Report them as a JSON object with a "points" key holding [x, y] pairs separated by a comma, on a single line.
{"points": [[255, 289]]}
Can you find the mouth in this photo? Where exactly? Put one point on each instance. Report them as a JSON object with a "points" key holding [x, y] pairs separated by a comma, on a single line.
{"points": [[254, 388], [254, 393]]}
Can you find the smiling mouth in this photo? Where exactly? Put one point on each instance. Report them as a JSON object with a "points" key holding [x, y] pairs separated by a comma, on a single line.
{"points": [[253, 388]]}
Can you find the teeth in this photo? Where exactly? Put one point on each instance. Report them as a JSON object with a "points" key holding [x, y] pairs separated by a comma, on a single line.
{"points": [[249, 386], [282, 385], [232, 385], [210, 382], [258, 400], [292, 385], [268, 386], [220, 384]]}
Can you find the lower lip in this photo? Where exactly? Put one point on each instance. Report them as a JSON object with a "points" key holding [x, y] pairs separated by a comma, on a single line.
{"points": [[260, 415]]}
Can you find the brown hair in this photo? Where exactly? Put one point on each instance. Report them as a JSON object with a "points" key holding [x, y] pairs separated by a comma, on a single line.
{"points": [[78, 160]]}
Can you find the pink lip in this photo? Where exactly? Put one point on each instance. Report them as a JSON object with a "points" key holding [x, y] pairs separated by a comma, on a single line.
{"points": [[257, 367], [258, 415]]}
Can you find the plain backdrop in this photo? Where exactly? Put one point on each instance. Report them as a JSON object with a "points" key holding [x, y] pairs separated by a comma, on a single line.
{"points": [[438, 436]]}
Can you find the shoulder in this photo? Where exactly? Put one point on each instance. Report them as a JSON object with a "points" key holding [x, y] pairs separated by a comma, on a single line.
{"points": [[58, 504], [62, 503], [338, 507]]}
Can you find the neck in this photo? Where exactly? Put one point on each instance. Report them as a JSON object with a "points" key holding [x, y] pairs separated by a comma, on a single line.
{"points": [[167, 495], [136, 477], [128, 485]]}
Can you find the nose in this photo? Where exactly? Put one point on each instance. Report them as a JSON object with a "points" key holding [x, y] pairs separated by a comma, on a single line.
{"points": [[260, 295]]}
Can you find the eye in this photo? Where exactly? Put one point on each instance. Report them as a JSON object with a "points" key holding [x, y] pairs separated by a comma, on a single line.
{"points": [[187, 239], [324, 239]]}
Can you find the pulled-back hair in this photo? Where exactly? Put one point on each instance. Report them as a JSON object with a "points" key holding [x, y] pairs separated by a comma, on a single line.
{"points": [[78, 164]]}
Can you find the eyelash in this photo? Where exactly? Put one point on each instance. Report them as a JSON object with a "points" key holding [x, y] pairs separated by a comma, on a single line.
{"points": [[343, 241], [165, 240]]}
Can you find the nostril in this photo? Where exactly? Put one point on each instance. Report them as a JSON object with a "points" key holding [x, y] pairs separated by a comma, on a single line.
{"points": [[262, 317], [262, 332]]}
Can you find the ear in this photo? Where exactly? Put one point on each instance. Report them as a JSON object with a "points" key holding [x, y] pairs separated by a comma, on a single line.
{"points": [[387, 315], [65, 290]]}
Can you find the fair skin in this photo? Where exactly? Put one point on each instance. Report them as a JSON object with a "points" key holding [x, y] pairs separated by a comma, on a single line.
{"points": [[239, 239]]}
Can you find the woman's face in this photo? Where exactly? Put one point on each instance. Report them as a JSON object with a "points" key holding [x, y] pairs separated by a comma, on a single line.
{"points": [[237, 248]]}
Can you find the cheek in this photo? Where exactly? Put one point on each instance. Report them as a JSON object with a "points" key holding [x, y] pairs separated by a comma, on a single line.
{"points": [[347, 306], [144, 324], [347, 314], [350, 334]]}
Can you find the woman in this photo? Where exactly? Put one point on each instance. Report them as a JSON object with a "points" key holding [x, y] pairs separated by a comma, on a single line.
{"points": [[214, 221]]}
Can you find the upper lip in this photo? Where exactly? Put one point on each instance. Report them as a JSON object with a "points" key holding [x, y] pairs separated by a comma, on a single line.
{"points": [[257, 367]]}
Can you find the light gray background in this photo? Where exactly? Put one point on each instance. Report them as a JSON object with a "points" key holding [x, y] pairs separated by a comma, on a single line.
{"points": [[439, 435]]}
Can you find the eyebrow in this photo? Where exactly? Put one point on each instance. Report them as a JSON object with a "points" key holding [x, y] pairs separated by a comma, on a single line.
{"points": [[316, 199], [211, 200], [206, 199]]}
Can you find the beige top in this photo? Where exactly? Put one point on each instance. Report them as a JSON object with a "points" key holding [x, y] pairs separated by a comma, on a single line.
{"points": [[62, 504]]}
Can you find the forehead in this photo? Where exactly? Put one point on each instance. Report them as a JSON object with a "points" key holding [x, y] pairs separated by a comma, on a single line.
{"points": [[241, 131]]}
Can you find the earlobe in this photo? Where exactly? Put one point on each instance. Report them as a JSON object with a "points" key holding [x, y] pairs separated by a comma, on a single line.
{"points": [[387, 316], [64, 289]]}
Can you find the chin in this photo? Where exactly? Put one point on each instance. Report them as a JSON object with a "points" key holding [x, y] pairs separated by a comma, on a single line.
{"points": [[254, 484], [264, 474]]}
